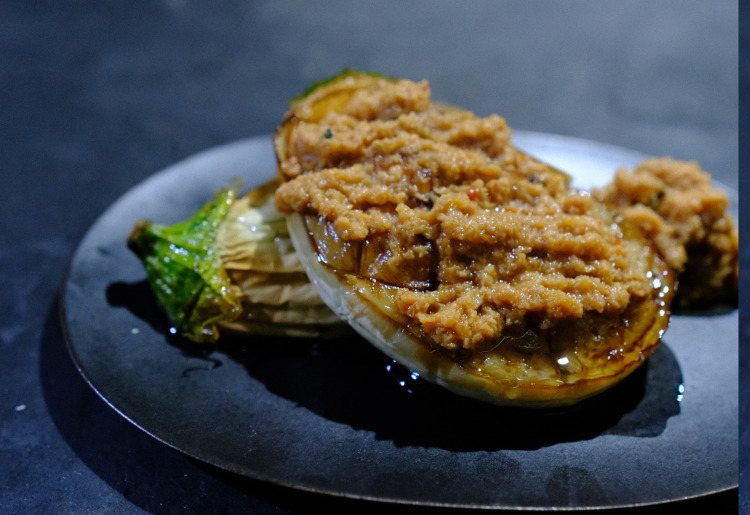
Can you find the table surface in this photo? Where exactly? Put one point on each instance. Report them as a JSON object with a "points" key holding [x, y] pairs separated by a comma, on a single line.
{"points": [[97, 96]]}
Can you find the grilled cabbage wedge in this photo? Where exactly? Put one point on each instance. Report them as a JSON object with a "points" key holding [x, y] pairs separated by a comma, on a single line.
{"points": [[363, 280], [231, 269]]}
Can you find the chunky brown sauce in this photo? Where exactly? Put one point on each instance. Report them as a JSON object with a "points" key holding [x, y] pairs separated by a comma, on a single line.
{"points": [[674, 203], [478, 244]]}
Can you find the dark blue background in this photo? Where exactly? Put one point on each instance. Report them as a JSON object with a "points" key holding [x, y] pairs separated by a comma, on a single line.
{"points": [[97, 95]]}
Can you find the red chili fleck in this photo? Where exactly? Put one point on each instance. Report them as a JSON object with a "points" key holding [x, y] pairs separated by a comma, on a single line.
{"points": [[472, 192]]}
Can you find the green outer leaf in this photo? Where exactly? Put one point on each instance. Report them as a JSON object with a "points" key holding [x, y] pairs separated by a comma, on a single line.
{"points": [[184, 271]]}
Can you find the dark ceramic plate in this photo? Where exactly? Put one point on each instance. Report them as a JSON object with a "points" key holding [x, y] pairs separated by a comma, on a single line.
{"points": [[336, 417]]}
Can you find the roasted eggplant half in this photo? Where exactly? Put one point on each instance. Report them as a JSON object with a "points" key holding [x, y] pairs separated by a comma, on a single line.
{"points": [[459, 256]]}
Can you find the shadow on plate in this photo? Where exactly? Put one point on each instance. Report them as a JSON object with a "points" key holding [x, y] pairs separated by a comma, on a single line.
{"points": [[350, 382], [714, 309], [346, 380]]}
